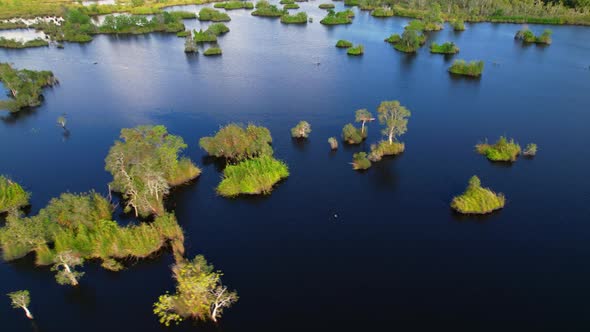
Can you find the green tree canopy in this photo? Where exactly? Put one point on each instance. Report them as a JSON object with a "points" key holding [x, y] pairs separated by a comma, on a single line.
{"points": [[237, 143], [395, 119]]}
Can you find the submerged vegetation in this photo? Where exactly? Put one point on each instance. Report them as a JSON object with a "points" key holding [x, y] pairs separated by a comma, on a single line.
{"points": [[231, 5], [446, 48], [12, 196], [334, 18], [25, 86], [299, 18], [13, 43], [210, 14], [199, 294], [343, 44], [527, 36], [252, 176], [301, 130], [145, 164], [360, 161], [502, 150], [477, 200], [235, 142], [356, 50], [473, 68], [264, 8]]}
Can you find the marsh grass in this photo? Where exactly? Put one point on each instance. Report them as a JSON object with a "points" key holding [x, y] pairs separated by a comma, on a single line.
{"points": [[384, 148], [473, 68], [502, 150], [212, 51], [232, 5], [360, 161], [12, 195], [252, 176], [446, 48], [356, 50], [210, 14], [13, 43], [299, 18], [477, 200], [343, 44]]}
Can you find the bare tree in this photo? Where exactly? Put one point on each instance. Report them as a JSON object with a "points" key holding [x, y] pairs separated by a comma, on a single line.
{"points": [[65, 264], [21, 299]]}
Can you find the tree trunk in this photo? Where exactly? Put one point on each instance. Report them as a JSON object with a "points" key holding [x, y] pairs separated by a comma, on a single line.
{"points": [[363, 128], [391, 137], [214, 314], [70, 275], [27, 312]]}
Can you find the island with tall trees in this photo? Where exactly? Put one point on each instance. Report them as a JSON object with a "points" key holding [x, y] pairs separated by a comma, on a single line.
{"points": [[25, 86]]}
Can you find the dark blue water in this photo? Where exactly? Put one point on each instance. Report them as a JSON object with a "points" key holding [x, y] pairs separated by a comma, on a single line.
{"points": [[331, 249]]}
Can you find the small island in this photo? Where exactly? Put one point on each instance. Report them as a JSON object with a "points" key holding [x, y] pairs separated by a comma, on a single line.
{"points": [[333, 143], [343, 44], [231, 5], [473, 68], [301, 130], [264, 8], [212, 51], [25, 86], [477, 200], [210, 14], [291, 6], [382, 12], [446, 48], [335, 18], [360, 162], [356, 50], [502, 150], [394, 117], [326, 6], [299, 18], [13, 43], [530, 150], [352, 134], [527, 36], [252, 176]]}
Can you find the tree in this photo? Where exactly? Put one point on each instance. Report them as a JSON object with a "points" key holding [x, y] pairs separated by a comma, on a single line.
{"points": [[301, 130], [12, 196], [199, 294], [65, 264], [62, 121], [190, 46], [21, 299], [363, 116], [394, 117], [237, 143]]}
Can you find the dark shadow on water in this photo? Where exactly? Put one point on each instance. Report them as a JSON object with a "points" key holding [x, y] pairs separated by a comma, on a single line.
{"points": [[384, 176], [11, 118], [354, 147], [501, 164], [219, 163], [457, 79], [300, 144], [448, 57], [83, 295], [66, 134], [475, 218]]}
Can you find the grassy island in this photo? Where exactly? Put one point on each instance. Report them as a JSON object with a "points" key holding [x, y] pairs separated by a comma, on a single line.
{"points": [[264, 8], [334, 18], [356, 50], [217, 29], [527, 36], [502, 150], [252, 176], [25, 86], [211, 51], [210, 14], [326, 6], [446, 48], [13, 43], [382, 12], [360, 162], [343, 44], [473, 68], [409, 42], [234, 142], [530, 150], [299, 18], [352, 134], [458, 25], [394, 118], [204, 36], [351, 3], [138, 24], [301, 130], [477, 200], [291, 6], [12, 196], [231, 5], [385, 148], [145, 164]]}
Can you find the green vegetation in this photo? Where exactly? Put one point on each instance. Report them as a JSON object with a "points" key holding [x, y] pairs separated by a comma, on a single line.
{"points": [[301, 130], [231, 5], [395, 119], [530, 150], [25, 86], [199, 294], [326, 6], [333, 143], [352, 135], [291, 6], [433, 20], [12, 196], [351, 3], [384, 148], [410, 40], [286, 2], [190, 45], [477, 200], [217, 29], [145, 164], [343, 44], [333, 18], [210, 14], [21, 300], [363, 116], [13, 43], [138, 24], [360, 161], [204, 36], [458, 25], [382, 12], [527, 36], [446, 48], [252, 176], [65, 266], [473, 68], [264, 8], [234, 142], [211, 51], [356, 50], [184, 33], [502, 150], [299, 18]]}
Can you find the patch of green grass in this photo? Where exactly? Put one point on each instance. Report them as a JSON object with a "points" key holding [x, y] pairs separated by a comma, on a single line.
{"points": [[446, 48], [527, 36], [384, 148], [353, 135], [299, 18], [252, 176], [210, 14], [204, 36], [335, 18], [458, 25], [356, 50], [12, 196], [502, 150], [231, 5], [382, 12], [217, 29], [477, 200], [263, 8], [360, 161], [291, 6], [473, 68], [13, 43], [212, 51], [326, 6], [343, 44]]}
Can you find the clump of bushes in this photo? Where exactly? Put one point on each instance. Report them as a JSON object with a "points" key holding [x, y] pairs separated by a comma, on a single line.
{"points": [[326, 6], [502, 150], [458, 25], [211, 51], [25, 86], [210, 14], [334, 18], [204, 36], [299, 18], [477, 200], [384, 148], [382, 12], [530, 150], [139, 24], [217, 29], [446, 48], [231, 5], [301, 130], [343, 44], [291, 6], [12, 196], [527, 36], [410, 40], [190, 46], [252, 176], [234, 142], [356, 51], [352, 135], [264, 8], [333, 143], [13, 43], [473, 68], [360, 161]]}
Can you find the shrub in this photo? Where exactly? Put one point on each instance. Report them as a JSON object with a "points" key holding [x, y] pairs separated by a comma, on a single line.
{"points": [[237, 143], [231, 5], [530, 150], [12, 196], [333, 18], [210, 14], [217, 29], [477, 200], [204, 36], [473, 68], [299, 18], [343, 44], [25, 86], [360, 161], [409, 42], [384, 148], [502, 150], [527, 36], [326, 6], [356, 51], [382, 12], [263, 8], [252, 176], [301, 130], [446, 48], [458, 25], [212, 51], [352, 135], [333, 143], [290, 6]]}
